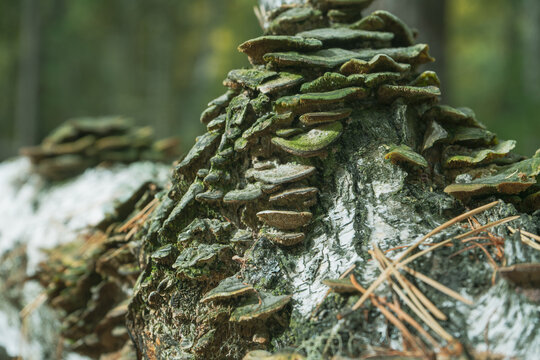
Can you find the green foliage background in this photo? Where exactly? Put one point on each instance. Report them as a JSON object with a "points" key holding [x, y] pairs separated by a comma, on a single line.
{"points": [[161, 61]]}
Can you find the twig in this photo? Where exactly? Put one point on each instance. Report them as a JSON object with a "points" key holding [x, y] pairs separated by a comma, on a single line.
{"points": [[415, 304]]}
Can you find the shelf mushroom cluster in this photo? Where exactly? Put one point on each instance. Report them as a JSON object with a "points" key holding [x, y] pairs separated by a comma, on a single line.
{"points": [[81, 143], [254, 177]]}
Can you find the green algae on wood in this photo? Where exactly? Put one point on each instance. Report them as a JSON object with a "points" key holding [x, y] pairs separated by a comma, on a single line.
{"points": [[376, 79], [411, 94], [414, 55], [468, 157], [327, 82], [379, 63], [312, 142], [242, 236], [303, 103], [256, 48], [241, 144], [252, 309], [171, 224], [228, 288], [404, 154], [334, 81], [80, 145], [210, 113], [349, 38], [325, 116], [223, 100], [64, 133], [101, 125], [250, 78], [323, 59], [335, 57], [370, 23], [341, 16], [284, 82]]}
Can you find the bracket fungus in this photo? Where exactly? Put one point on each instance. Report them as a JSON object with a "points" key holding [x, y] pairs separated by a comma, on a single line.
{"points": [[81, 143], [256, 216]]}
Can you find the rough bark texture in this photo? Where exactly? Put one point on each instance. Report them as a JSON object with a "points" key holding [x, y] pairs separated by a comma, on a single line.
{"points": [[220, 281]]}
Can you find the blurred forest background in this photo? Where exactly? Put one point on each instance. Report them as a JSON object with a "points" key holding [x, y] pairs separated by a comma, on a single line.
{"points": [[161, 61]]}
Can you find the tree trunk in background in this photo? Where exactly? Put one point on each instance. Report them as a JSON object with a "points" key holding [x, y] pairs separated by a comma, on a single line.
{"points": [[27, 103], [159, 71], [530, 15], [432, 26]]}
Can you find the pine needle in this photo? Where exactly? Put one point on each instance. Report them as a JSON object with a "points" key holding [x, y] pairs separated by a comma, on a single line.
{"points": [[437, 285], [446, 225], [398, 264], [414, 303], [527, 238], [402, 314], [141, 215], [387, 314]]}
